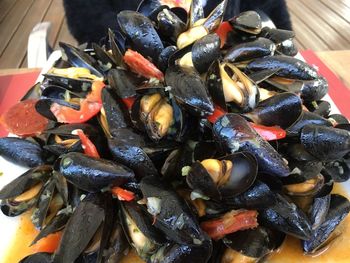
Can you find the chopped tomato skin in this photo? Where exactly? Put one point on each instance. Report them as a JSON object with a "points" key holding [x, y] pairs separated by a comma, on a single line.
{"points": [[122, 194], [88, 146], [141, 65], [269, 133], [89, 107], [129, 102], [23, 120], [48, 244], [230, 222]]}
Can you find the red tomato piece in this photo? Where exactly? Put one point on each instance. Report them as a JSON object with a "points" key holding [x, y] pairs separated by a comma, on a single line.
{"points": [[129, 102], [141, 65], [222, 31], [23, 120], [269, 133], [122, 194], [230, 222], [89, 107], [88, 146]]}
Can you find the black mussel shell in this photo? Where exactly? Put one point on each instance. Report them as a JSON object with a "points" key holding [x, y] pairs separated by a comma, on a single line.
{"points": [[281, 110], [175, 218], [91, 174], [130, 153], [77, 86], [205, 51], [234, 133], [255, 243], [247, 51], [117, 46], [321, 107], [319, 210], [43, 107], [286, 217], [338, 170], [325, 143], [122, 82], [21, 151], [277, 35], [288, 48], [189, 90], [149, 8], [169, 25], [140, 31], [196, 12], [314, 89], [80, 229], [338, 119], [38, 258], [339, 208], [289, 67], [248, 22], [215, 18], [307, 118], [104, 59], [164, 57]]}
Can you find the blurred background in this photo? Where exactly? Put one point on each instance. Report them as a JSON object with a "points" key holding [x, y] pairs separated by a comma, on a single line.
{"points": [[320, 25]]}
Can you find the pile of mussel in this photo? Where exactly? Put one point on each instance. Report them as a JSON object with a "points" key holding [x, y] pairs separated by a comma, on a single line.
{"points": [[185, 138]]}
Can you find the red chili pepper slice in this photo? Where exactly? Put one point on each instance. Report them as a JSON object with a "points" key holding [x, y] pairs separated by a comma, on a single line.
{"points": [[122, 194], [269, 133], [141, 65], [89, 107], [88, 146], [129, 102], [218, 112], [230, 222], [222, 31], [23, 120]]}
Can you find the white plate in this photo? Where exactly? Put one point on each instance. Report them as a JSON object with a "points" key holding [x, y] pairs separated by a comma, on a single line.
{"points": [[11, 171]]}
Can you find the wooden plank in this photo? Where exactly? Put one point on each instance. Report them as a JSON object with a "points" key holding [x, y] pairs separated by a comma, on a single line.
{"points": [[329, 17], [345, 2], [65, 36], [13, 71], [339, 8], [17, 47], [338, 62], [5, 7], [315, 23], [305, 36], [14, 18], [55, 15]]}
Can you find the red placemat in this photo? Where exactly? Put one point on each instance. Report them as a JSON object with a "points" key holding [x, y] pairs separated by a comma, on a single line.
{"points": [[13, 88]]}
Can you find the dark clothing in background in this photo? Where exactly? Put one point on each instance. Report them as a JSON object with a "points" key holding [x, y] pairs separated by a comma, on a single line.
{"points": [[89, 20]]}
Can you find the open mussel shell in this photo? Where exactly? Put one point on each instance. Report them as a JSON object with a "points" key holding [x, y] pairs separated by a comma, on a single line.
{"points": [[325, 143], [174, 217], [339, 120], [253, 243], [21, 151], [43, 107], [140, 232], [281, 110], [304, 186], [234, 133], [140, 31], [165, 56], [338, 170], [289, 67], [286, 217], [238, 178], [23, 192], [277, 35], [227, 84], [78, 86], [307, 118], [247, 22], [247, 51], [91, 174], [103, 58], [122, 82], [325, 233], [79, 58], [189, 90], [196, 12]]}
